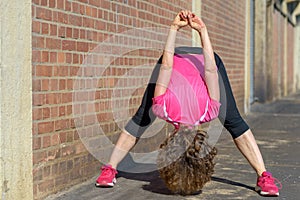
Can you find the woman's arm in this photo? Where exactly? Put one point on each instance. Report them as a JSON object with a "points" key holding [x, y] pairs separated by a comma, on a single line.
{"points": [[167, 59], [211, 70]]}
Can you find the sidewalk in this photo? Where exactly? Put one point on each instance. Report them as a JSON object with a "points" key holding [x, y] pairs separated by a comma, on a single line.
{"points": [[276, 127]]}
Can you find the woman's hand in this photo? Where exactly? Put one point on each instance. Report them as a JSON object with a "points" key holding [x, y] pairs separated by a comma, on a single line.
{"points": [[181, 20], [196, 23]]}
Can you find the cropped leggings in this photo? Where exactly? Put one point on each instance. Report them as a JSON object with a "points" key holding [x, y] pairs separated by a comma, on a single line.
{"points": [[229, 114]]}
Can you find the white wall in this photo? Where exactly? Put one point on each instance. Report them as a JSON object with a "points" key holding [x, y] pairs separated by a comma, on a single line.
{"points": [[15, 100]]}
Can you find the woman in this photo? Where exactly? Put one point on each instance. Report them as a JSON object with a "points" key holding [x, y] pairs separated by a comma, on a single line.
{"points": [[230, 117]]}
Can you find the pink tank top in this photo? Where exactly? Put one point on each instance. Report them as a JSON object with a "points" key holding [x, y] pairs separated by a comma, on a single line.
{"points": [[186, 100]]}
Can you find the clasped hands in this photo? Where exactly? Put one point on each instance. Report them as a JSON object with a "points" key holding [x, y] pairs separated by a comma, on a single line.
{"points": [[186, 17]]}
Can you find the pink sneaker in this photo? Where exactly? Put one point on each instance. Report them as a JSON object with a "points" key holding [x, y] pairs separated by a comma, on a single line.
{"points": [[107, 177], [266, 185]]}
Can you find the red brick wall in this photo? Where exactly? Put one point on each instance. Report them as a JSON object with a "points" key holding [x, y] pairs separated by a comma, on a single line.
{"points": [[72, 98], [226, 24]]}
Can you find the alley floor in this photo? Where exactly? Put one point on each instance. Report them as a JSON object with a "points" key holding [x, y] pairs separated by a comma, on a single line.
{"points": [[276, 127]]}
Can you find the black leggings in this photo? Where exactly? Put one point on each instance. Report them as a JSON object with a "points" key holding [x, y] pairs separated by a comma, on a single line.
{"points": [[229, 114]]}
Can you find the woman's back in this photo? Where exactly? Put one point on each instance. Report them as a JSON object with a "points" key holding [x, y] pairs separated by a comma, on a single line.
{"points": [[186, 100]]}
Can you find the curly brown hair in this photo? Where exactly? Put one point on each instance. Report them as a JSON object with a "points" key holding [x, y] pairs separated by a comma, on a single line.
{"points": [[185, 161]]}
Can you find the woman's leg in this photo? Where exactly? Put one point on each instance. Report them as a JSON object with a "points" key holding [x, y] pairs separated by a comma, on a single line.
{"points": [[234, 123], [247, 145], [137, 125], [125, 142]]}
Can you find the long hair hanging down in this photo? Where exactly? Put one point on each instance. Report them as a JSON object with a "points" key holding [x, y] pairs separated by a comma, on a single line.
{"points": [[185, 161]]}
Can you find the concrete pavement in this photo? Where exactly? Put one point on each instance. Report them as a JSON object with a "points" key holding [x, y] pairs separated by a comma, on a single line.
{"points": [[276, 127]]}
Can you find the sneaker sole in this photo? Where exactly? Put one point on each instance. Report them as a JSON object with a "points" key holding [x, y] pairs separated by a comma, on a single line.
{"points": [[267, 194], [106, 184]]}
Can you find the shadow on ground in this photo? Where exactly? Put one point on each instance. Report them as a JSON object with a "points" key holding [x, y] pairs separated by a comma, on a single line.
{"points": [[157, 185]]}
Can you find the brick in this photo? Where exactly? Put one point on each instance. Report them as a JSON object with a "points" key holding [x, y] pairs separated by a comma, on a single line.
{"points": [[82, 9], [63, 137], [80, 148], [67, 151], [38, 174], [54, 112], [53, 98], [61, 111], [55, 140], [45, 127], [82, 34], [34, 128], [88, 22], [52, 3], [62, 84], [68, 45], [61, 124], [46, 113], [39, 157], [46, 171], [54, 85], [75, 20], [60, 57], [61, 32], [36, 28], [53, 43], [70, 136], [75, 7], [62, 17], [43, 70], [69, 32], [45, 85], [75, 33], [60, 4], [43, 3], [46, 141], [68, 6], [83, 1], [95, 3], [69, 58], [36, 56], [61, 71], [36, 85], [38, 99], [94, 12], [37, 114], [43, 13], [82, 46], [38, 42], [46, 185], [36, 2], [45, 56], [88, 11], [100, 25], [53, 57], [70, 165], [75, 173], [67, 97], [35, 189], [76, 135], [62, 180], [69, 85], [53, 30]]}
